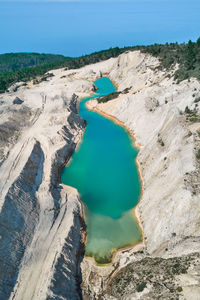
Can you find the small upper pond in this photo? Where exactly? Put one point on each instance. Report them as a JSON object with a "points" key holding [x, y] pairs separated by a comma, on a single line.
{"points": [[104, 171]]}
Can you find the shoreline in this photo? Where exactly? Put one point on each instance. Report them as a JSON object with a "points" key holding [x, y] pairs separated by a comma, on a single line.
{"points": [[135, 210]]}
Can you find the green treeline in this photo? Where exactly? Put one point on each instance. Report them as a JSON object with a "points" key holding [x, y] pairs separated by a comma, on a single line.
{"points": [[186, 55], [16, 67], [26, 74], [12, 62]]}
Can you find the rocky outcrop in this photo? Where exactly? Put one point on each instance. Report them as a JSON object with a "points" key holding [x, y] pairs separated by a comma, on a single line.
{"points": [[66, 280]]}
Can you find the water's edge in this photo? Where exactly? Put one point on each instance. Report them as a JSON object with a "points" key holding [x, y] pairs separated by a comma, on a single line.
{"points": [[135, 210]]}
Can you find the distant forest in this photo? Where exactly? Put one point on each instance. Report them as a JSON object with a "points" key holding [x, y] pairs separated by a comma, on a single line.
{"points": [[12, 62], [16, 67]]}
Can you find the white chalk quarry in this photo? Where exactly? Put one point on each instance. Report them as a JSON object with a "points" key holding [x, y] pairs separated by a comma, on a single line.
{"points": [[41, 220]]}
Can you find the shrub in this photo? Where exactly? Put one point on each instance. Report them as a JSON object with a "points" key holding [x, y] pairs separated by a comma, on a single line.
{"points": [[187, 110], [198, 154], [197, 100], [140, 287], [160, 141]]}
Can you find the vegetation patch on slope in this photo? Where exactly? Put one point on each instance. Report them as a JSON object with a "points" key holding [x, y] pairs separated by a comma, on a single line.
{"points": [[156, 275], [112, 96], [186, 55]]}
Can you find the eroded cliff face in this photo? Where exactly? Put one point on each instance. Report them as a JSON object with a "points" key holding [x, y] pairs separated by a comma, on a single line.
{"points": [[42, 227], [41, 221]]}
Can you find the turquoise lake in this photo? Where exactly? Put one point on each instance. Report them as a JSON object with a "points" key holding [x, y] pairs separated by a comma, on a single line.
{"points": [[104, 171]]}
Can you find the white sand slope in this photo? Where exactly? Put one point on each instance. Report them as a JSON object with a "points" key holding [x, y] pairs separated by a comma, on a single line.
{"points": [[41, 220]]}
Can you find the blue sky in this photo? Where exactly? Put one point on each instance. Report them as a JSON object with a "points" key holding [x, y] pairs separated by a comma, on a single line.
{"points": [[78, 27]]}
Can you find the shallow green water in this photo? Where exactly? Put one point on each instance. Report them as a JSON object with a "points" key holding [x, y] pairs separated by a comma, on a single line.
{"points": [[104, 171]]}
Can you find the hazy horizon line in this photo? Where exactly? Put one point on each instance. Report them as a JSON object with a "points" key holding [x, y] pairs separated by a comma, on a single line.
{"points": [[105, 49]]}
